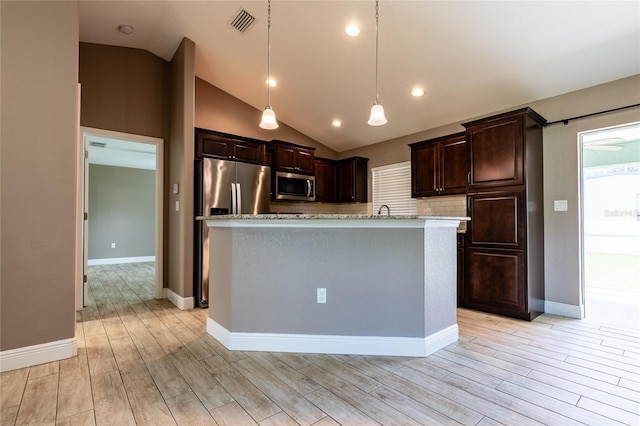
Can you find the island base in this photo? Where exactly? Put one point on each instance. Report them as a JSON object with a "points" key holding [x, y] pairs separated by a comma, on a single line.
{"points": [[390, 285]]}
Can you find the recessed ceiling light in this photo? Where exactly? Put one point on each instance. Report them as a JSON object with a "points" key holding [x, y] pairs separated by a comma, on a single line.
{"points": [[417, 92], [125, 29], [336, 123], [271, 82], [352, 30]]}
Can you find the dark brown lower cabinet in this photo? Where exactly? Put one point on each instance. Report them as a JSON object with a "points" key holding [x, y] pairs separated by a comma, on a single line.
{"points": [[496, 282]]}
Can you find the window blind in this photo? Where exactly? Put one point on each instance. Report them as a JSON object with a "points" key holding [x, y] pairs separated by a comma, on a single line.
{"points": [[392, 186]]}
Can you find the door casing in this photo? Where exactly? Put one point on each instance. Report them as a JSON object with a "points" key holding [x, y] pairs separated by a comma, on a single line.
{"points": [[82, 206]]}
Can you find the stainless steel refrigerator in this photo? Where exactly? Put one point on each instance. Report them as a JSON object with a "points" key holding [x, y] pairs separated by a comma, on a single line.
{"points": [[224, 186]]}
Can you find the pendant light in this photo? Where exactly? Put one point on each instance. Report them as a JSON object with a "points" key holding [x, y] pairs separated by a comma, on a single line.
{"points": [[377, 117], [268, 115]]}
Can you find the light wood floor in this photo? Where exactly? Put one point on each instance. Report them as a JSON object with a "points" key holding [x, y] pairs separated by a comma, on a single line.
{"points": [[142, 361]]}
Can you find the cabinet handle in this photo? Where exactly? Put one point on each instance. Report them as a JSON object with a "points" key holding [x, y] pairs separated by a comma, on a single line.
{"points": [[469, 178]]}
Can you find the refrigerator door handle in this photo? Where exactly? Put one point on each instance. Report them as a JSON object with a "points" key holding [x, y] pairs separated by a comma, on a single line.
{"points": [[234, 197], [239, 197]]}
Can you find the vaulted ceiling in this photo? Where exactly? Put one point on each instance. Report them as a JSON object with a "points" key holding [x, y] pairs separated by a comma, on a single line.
{"points": [[470, 57]]}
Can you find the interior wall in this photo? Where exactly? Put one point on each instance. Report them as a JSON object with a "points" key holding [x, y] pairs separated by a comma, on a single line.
{"points": [[561, 153], [121, 208], [125, 90], [561, 172], [181, 157], [39, 77], [217, 110]]}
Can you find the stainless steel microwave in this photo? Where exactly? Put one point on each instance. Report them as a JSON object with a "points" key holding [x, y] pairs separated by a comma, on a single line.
{"points": [[291, 186]]}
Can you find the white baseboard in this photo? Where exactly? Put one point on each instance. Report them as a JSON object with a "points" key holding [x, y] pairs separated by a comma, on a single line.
{"points": [[351, 345], [37, 354], [117, 260], [563, 309], [181, 302]]}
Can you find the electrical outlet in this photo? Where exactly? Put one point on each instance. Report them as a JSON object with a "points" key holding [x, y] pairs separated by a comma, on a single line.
{"points": [[560, 206], [113, 245], [322, 295]]}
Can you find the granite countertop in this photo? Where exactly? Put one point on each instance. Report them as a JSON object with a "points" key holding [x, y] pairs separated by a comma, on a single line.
{"points": [[276, 216]]}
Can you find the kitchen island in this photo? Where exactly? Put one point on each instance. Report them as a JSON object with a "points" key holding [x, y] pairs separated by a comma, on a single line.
{"points": [[389, 283]]}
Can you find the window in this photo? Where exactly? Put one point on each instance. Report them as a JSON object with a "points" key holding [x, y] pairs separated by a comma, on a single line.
{"points": [[392, 186]]}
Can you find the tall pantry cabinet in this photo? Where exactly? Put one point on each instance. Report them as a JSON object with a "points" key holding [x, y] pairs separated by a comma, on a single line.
{"points": [[505, 248]]}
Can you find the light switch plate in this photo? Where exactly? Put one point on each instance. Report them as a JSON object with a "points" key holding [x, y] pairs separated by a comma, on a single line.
{"points": [[560, 206], [176, 188]]}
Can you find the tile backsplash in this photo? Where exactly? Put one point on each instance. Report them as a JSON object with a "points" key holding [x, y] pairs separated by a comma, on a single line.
{"points": [[320, 208], [453, 205]]}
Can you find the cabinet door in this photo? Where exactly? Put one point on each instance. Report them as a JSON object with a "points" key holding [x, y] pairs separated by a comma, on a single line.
{"points": [[304, 161], [496, 280], [496, 153], [249, 152], [497, 219], [453, 166], [352, 180], [346, 181], [325, 180], [286, 158], [213, 146], [424, 170]]}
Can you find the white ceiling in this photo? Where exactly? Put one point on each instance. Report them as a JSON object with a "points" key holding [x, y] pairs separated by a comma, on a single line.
{"points": [[471, 57], [121, 153]]}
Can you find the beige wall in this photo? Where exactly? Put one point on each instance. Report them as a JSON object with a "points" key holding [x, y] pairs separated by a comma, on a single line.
{"points": [[124, 90], [121, 202], [561, 176], [127, 90], [38, 172], [219, 111], [181, 156], [561, 168]]}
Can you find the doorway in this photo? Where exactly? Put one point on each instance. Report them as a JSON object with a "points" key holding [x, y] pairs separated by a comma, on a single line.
{"points": [[610, 185], [114, 158]]}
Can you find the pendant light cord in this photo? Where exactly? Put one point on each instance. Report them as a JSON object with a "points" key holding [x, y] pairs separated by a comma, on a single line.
{"points": [[377, 15], [269, 53]]}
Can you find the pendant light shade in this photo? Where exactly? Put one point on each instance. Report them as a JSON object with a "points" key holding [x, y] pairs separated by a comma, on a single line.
{"points": [[377, 117], [268, 119], [268, 115]]}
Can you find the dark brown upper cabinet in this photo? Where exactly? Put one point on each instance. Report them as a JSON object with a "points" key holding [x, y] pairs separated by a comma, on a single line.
{"points": [[229, 147], [439, 166], [293, 158], [326, 171], [497, 148], [352, 180]]}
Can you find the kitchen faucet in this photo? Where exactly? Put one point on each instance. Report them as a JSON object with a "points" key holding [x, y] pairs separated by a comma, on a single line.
{"points": [[388, 209]]}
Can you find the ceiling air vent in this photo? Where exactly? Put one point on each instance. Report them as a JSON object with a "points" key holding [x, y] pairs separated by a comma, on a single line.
{"points": [[242, 21], [98, 144]]}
